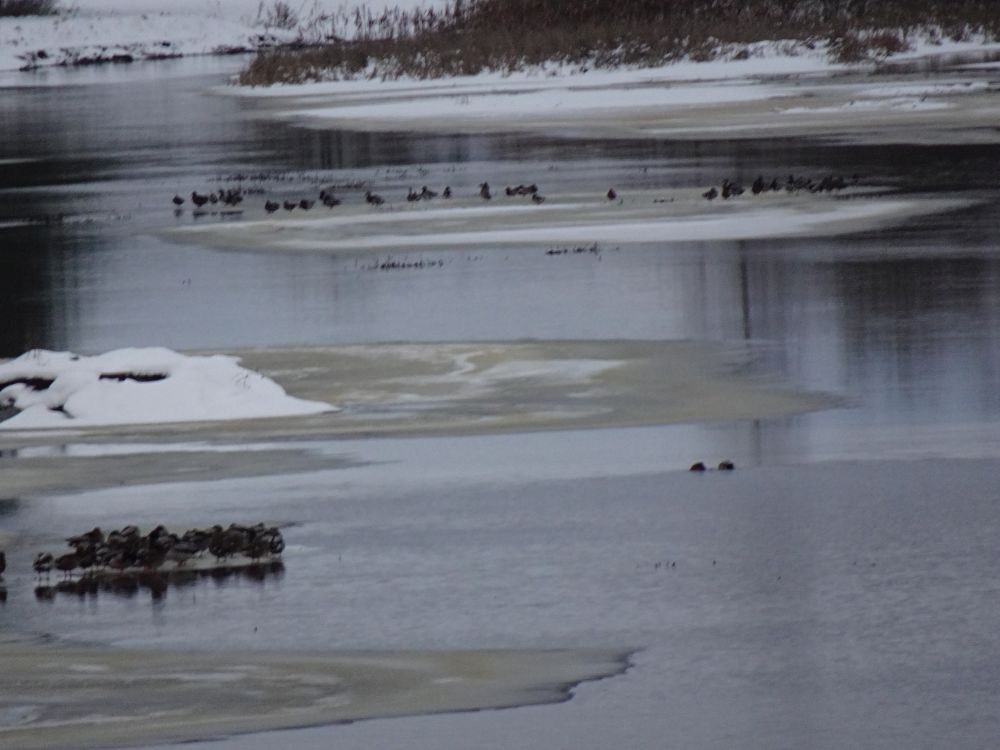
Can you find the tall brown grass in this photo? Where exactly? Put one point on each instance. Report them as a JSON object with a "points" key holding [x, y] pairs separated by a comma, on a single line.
{"points": [[27, 7], [469, 36]]}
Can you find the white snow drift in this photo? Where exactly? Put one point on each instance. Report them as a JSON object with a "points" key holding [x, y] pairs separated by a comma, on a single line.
{"points": [[131, 386]]}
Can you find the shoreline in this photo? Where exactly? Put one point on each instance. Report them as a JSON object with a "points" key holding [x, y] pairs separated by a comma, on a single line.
{"points": [[774, 94]]}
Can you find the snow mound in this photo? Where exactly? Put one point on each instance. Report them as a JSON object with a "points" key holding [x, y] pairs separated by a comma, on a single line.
{"points": [[47, 389]]}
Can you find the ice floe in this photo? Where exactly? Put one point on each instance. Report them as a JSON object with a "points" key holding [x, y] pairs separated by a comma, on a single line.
{"points": [[44, 389], [640, 217]]}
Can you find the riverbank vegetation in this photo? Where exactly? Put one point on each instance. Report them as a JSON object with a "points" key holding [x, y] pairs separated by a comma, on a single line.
{"points": [[27, 7], [471, 36]]}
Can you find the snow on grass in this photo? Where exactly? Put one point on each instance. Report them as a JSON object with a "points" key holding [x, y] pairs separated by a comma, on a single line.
{"points": [[131, 386], [123, 30]]}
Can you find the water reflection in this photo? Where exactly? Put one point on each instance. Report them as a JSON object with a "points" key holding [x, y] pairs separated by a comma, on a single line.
{"points": [[902, 321], [158, 583]]}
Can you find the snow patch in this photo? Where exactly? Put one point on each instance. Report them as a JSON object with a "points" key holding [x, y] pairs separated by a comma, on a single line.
{"points": [[131, 386], [89, 31]]}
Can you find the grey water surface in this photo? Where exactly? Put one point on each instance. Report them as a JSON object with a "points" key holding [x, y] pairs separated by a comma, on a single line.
{"points": [[832, 592]]}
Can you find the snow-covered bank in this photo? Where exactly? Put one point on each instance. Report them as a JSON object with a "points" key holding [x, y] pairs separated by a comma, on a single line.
{"points": [[134, 386], [771, 87], [89, 31]]}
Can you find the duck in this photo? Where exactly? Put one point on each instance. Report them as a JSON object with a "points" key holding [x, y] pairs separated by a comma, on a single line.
{"points": [[698, 466], [181, 552], [329, 200], [290, 205], [726, 465], [447, 192], [305, 204], [730, 190], [152, 557], [412, 195], [3, 562], [711, 194], [612, 194], [178, 201], [373, 199], [427, 193], [93, 538], [537, 198], [42, 563], [231, 197], [484, 191], [198, 200], [271, 206], [66, 563]]}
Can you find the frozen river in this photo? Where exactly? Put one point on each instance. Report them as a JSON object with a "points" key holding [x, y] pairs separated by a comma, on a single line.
{"points": [[832, 592]]}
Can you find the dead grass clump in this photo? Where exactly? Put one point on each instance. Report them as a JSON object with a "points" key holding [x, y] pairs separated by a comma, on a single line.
{"points": [[277, 16]]}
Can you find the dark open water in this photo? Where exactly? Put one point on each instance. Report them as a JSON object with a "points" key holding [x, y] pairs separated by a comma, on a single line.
{"points": [[851, 604]]}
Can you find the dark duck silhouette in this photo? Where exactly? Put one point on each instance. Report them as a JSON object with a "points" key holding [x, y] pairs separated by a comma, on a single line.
{"points": [[484, 191], [731, 189], [710, 194], [178, 201], [372, 199], [66, 563], [537, 198], [699, 466], [3, 563], [43, 563], [726, 466], [427, 194], [198, 200], [290, 205], [412, 195], [612, 194], [447, 192], [271, 206], [329, 199], [306, 204]]}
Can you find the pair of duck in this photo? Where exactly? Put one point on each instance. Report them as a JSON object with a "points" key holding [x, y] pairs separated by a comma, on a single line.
{"points": [[723, 466], [231, 197], [425, 194]]}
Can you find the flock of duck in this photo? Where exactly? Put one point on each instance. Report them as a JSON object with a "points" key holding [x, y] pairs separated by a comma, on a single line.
{"points": [[229, 197], [128, 549], [233, 197], [792, 184]]}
